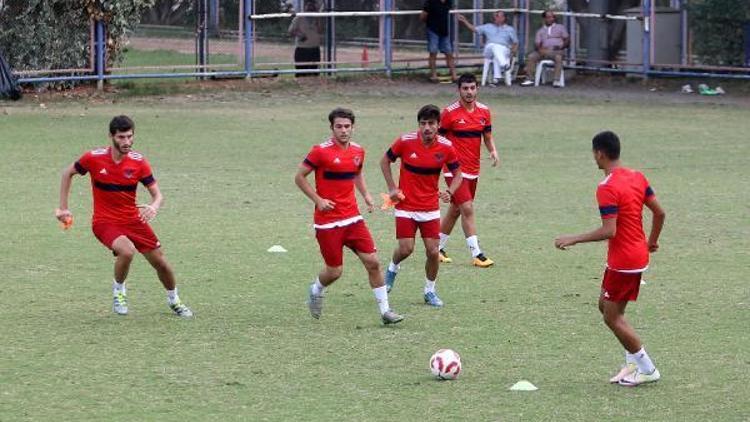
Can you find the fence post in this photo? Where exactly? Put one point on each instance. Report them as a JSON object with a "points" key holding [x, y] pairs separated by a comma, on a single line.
{"points": [[522, 32], [646, 37], [247, 6], [100, 46], [476, 21], [388, 38]]}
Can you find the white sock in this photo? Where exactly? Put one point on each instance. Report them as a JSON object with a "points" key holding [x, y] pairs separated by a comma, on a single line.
{"points": [[443, 240], [473, 243], [318, 288], [381, 296], [629, 358], [118, 288], [393, 267], [429, 286], [644, 361], [172, 296]]}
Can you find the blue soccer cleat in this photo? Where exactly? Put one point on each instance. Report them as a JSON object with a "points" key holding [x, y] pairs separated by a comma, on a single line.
{"points": [[432, 299], [390, 279]]}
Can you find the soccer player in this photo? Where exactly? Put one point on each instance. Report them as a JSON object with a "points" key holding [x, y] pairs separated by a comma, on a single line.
{"points": [[337, 164], [467, 123], [621, 197], [118, 223], [423, 154]]}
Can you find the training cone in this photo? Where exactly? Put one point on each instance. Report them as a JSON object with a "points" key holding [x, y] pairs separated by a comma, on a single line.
{"points": [[523, 385], [277, 249]]}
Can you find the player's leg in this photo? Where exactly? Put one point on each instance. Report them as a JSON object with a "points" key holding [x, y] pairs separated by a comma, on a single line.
{"points": [[375, 276], [406, 229], [469, 225], [164, 271], [124, 251], [446, 227], [430, 231], [331, 242]]}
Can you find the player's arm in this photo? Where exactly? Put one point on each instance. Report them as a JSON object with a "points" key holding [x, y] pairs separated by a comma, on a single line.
{"points": [[606, 231], [148, 211], [385, 167], [462, 19], [458, 177], [489, 143], [657, 222], [300, 179], [359, 182], [62, 213]]}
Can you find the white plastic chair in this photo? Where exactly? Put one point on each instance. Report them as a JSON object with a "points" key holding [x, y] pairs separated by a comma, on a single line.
{"points": [[507, 75], [541, 72]]}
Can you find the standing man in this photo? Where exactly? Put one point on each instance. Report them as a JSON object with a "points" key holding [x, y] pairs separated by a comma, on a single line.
{"points": [[467, 123], [551, 41], [307, 33], [501, 42], [436, 16], [423, 154], [118, 223], [337, 164], [621, 197]]}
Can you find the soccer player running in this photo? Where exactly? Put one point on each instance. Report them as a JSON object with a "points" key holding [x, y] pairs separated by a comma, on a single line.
{"points": [[118, 222], [621, 197], [467, 123], [423, 154], [337, 164]]}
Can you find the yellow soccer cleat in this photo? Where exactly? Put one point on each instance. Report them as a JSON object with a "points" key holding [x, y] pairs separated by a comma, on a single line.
{"points": [[482, 261], [444, 257]]}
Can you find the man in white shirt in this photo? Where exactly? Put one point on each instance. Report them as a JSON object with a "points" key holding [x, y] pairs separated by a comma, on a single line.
{"points": [[501, 41]]}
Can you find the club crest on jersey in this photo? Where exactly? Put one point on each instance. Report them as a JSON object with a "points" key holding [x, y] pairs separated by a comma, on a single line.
{"points": [[482, 121], [128, 173], [357, 160], [439, 156]]}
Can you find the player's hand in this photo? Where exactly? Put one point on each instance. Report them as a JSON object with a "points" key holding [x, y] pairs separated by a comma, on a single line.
{"points": [[445, 196], [65, 217], [147, 212], [325, 204], [653, 246], [396, 195], [495, 159], [369, 202], [563, 242]]}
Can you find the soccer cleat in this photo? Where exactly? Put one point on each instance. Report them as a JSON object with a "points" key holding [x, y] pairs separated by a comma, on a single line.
{"points": [[120, 304], [626, 370], [482, 261], [432, 299], [181, 309], [390, 279], [315, 303], [527, 82], [637, 378], [444, 257], [391, 317]]}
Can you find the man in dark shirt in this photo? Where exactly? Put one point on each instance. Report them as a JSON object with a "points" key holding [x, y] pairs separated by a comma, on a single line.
{"points": [[435, 15]]}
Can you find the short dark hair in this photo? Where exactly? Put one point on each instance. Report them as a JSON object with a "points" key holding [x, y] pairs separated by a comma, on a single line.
{"points": [[544, 14], [340, 112], [466, 78], [428, 112], [608, 143], [121, 124]]}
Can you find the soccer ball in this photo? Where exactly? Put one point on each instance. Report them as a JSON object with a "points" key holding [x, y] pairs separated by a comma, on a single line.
{"points": [[445, 364]]}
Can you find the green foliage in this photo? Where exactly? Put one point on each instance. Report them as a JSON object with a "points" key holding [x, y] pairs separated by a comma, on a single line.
{"points": [[55, 34], [717, 30]]}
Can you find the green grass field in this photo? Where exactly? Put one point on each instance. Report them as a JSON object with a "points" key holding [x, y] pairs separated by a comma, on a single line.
{"points": [[253, 352]]}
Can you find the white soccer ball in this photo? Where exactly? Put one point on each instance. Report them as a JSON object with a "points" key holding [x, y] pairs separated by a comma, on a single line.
{"points": [[445, 364]]}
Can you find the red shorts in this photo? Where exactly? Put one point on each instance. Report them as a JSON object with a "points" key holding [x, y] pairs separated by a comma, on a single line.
{"points": [[355, 236], [466, 192], [620, 287], [138, 232], [406, 228]]}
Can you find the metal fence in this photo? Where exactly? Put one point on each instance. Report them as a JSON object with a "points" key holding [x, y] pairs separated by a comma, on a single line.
{"points": [[249, 38]]}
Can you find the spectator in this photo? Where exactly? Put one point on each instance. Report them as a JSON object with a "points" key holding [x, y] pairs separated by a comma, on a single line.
{"points": [[435, 14], [308, 33], [501, 42], [551, 41]]}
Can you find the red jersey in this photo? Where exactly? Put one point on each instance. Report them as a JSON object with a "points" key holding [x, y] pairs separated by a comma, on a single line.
{"points": [[622, 195], [335, 169], [114, 184], [420, 169], [465, 130]]}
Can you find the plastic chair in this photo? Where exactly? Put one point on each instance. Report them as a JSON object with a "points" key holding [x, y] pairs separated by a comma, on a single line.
{"points": [[542, 77], [507, 75]]}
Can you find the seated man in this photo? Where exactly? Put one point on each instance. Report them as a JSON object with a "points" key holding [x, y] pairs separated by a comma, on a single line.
{"points": [[501, 42], [551, 41]]}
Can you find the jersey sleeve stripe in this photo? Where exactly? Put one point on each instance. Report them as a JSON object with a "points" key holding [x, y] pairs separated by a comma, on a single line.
{"points": [[423, 170], [80, 169], [488, 128], [391, 155], [310, 164], [608, 210], [649, 192], [148, 180], [111, 187], [467, 133], [339, 175], [452, 166]]}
